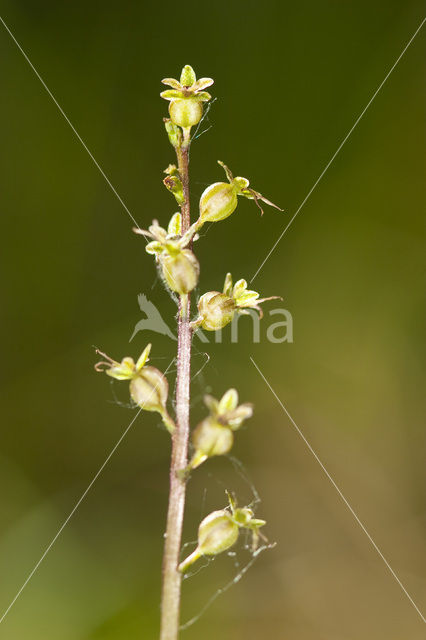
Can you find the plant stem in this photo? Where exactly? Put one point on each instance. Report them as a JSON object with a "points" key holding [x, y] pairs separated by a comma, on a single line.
{"points": [[172, 578]]}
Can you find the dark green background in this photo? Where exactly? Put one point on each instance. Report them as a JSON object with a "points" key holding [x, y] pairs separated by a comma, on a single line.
{"points": [[290, 80]]}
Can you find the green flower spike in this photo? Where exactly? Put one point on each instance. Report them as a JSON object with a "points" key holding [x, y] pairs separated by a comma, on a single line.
{"points": [[214, 435], [219, 531], [216, 310], [186, 97], [148, 386], [219, 200], [178, 265]]}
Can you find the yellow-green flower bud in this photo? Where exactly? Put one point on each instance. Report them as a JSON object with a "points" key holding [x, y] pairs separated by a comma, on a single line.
{"points": [[173, 183], [216, 310], [174, 133], [180, 270]]}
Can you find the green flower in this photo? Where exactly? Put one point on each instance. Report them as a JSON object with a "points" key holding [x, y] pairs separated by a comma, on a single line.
{"points": [[220, 530], [148, 386], [178, 265], [219, 200], [216, 310], [214, 435], [186, 97]]}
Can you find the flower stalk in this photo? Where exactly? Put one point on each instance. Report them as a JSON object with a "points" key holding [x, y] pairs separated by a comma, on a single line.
{"points": [[172, 577], [149, 388]]}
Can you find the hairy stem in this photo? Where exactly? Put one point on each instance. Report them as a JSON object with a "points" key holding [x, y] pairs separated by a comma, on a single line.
{"points": [[172, 578]]}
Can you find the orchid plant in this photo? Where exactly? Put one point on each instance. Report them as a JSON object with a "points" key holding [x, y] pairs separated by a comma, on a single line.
{"points": [[179, 269]]}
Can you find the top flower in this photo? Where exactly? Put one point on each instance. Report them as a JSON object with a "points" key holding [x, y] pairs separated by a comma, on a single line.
{"points": [[186, 97]]}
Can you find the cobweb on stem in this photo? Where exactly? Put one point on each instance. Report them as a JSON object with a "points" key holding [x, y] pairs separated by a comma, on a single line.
{"points": [[254, 554]]}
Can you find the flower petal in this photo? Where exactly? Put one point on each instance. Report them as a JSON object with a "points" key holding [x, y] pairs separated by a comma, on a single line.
{"points": [[227, 171], [229, 401], [202, 96], [236, 418], [212, 404], [247, 299], [239, 288], [143, 358], [227, 288], [171, 94], [187, 77], [175, 225], [142, 232], [242, 184], [154, 247], [202, 83], [157, 232], [123, 371], [172, 82]]}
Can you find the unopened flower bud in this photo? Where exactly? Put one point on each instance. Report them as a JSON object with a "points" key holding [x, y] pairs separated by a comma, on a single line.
{"points": [[219, 200], [174, 133], [174, 185], [180, 270]]}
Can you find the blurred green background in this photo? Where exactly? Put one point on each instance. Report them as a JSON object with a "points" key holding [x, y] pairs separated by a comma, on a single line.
{"points": [[290, 80]]}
